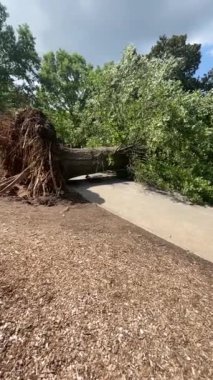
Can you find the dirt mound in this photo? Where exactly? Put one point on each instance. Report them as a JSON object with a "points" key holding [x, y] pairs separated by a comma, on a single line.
{"points": [[30, 155]]}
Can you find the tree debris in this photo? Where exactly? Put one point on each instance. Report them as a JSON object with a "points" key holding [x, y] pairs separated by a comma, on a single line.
{"points": [[30, 156]]}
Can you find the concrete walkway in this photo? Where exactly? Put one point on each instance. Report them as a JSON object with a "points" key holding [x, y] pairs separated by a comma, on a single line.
{"points": [[189, 227]]}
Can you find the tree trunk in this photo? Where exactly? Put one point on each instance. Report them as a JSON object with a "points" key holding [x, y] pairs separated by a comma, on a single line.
{"points": [[76, 162]]}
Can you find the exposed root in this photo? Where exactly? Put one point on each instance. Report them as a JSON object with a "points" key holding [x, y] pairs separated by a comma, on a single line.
{"points": [[12, 181], [30, 155]]}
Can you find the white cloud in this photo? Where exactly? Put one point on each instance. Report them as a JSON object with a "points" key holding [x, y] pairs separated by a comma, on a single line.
{"points": [[30, 12], [204, 35], [100, 29]]}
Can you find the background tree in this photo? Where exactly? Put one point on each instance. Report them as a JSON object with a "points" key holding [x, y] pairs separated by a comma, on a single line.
{"points": [[63, 90], [63, 78], [19, 63], [188, 56], [206, 82]]}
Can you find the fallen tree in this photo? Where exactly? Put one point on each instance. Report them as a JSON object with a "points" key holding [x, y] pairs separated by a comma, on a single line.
{"points": [[77, 162], [30, 156], [34, 160]]}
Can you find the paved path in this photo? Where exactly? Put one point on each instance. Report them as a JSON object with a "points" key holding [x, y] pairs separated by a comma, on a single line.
{"points": [[190, 227]]}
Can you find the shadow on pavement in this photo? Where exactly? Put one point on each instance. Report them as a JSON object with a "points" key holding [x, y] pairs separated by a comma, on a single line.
{"points": [[92, 181]]}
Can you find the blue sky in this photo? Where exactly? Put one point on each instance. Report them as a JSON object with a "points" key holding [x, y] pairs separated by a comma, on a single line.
{"points": [[100, 29], [207, 60]]}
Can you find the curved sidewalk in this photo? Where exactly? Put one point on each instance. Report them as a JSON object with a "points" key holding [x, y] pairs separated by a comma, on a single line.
{"points": [[187, 226]]}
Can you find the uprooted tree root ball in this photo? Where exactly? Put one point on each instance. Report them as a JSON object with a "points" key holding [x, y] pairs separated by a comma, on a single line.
{"points": [[30, 156]]}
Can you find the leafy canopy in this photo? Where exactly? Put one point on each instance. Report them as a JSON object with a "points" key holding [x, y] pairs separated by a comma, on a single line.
{"points": [[63, 78], [152, 102], [188, 56], [19, 63]]}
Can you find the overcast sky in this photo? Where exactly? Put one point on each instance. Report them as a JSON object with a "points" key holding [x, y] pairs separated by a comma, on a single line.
{"points": [[100, 29]]}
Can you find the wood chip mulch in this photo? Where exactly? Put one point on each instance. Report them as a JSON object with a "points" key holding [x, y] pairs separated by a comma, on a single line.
{"points": [[86, 295]]}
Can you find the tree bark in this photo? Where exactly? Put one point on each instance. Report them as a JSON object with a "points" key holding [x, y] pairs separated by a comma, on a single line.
{"points": [[3, 140], [77, 162]]}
